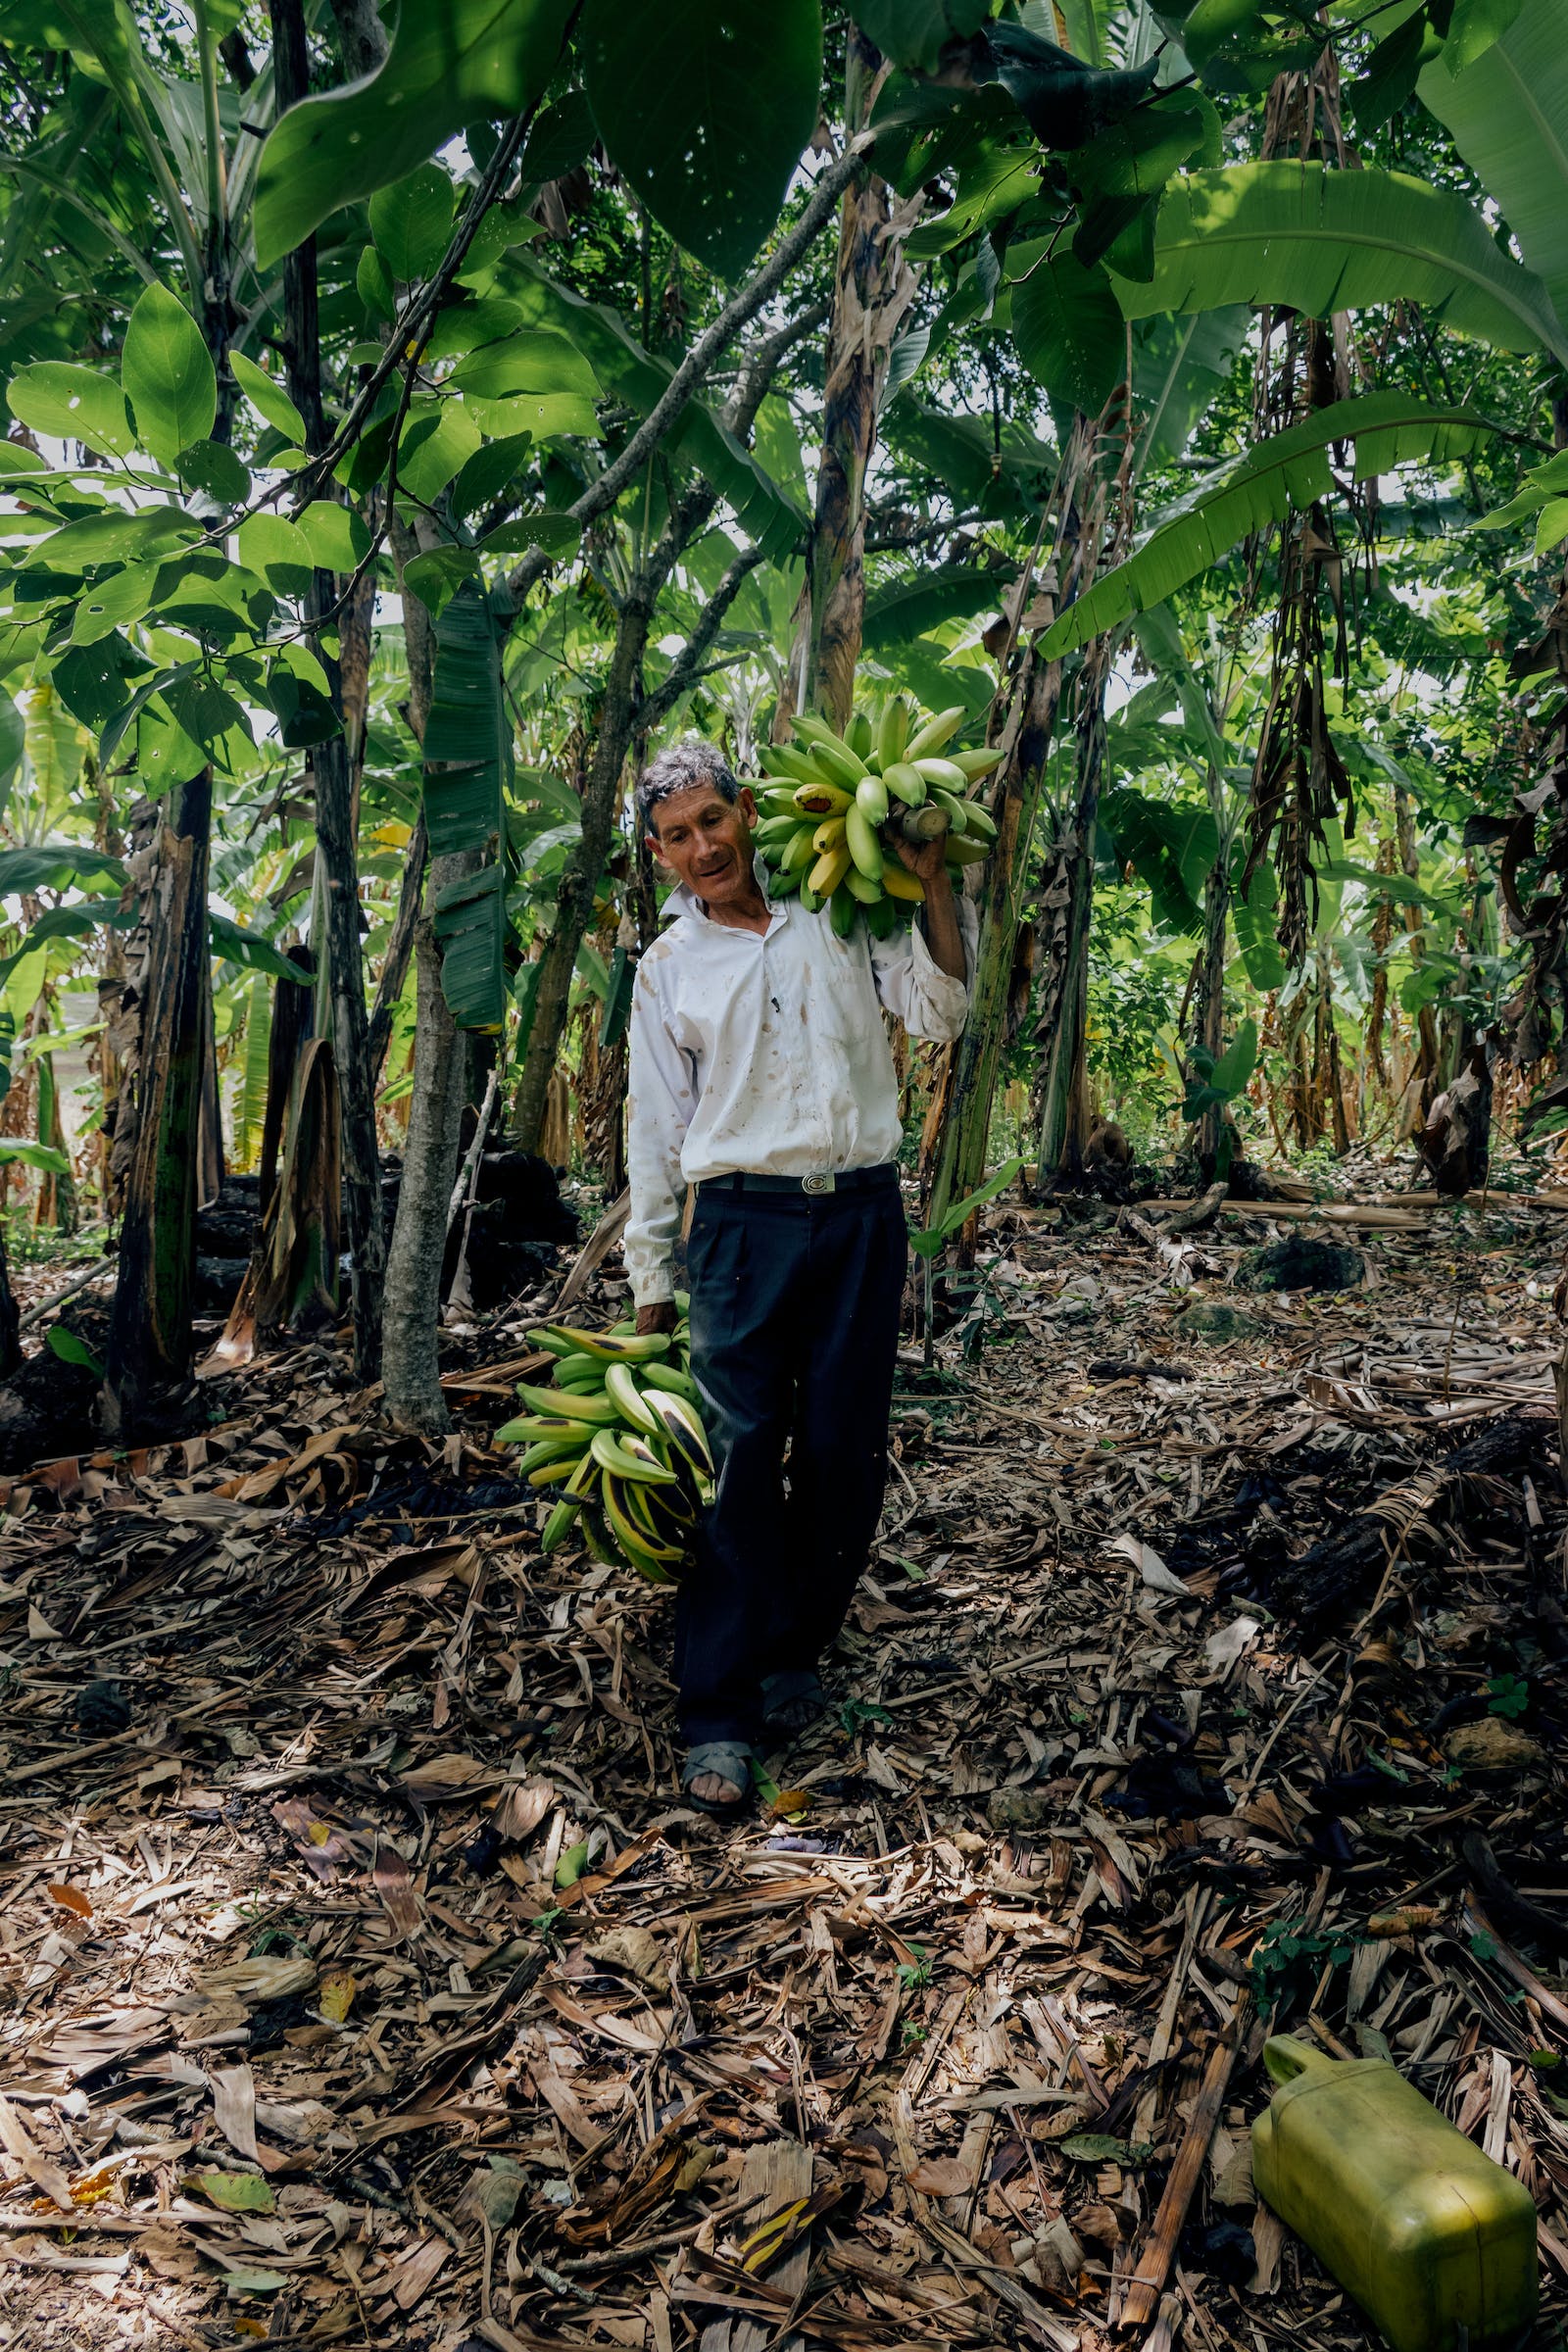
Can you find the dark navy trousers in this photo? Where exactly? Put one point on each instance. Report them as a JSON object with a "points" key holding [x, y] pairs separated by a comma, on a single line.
{"points": [[794, 1331]]}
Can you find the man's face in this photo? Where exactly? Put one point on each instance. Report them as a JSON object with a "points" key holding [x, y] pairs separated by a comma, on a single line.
{"points": [[705, 842]]}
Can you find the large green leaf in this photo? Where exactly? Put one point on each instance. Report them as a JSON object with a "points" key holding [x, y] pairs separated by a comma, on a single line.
{"points": [[72, 404], [705, 106], [1064, 102], [167, 373], [903, 610], [1178, 368], [1068, 324], [228, 940], [1290, 470], [913, 31], [468, 773], [467, 740], [469, 921], [1321, 241], [451, 63], [1507, 114], [412, 219], [52, 864], [1170, 845]]}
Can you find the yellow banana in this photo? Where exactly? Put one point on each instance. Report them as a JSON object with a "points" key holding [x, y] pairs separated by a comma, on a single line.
{"points": [[900, 883], [821, 800], [830, 833], [829, 871]]}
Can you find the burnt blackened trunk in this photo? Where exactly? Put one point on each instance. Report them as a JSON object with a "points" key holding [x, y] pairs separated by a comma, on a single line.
{"points": [[149, 1347]]}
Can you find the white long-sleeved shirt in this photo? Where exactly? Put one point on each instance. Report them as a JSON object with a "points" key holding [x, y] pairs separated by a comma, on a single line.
{"points": [[764, 1053]]}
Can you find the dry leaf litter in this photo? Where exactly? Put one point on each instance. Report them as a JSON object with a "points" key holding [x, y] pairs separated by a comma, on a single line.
{"points": [[363, 1982]]}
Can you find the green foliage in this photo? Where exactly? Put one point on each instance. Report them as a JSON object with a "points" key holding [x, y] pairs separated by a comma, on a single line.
{"points": [[1323, 240], [705, 106], [1291, 469], [451, 63], [1288, 1959], [166, 374]]}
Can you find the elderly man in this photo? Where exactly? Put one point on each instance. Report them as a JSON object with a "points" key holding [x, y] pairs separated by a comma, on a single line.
{"points": [[761, 1074]]}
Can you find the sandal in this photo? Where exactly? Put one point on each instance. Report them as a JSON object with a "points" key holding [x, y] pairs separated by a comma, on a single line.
{"points": [[731, 1761], [792, 1702]]}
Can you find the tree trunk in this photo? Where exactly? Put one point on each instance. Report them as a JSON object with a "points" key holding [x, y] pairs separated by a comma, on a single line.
{"points": [[966, 1126], [149, 1346], [10, 1318], [410, 1365], [579, 882], [343, 954], [412, 1372], [339, 955], [873, 287], [1209, 1025], [1066, 905]]}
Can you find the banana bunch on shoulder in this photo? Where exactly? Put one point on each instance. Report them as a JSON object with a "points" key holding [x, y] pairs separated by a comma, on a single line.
{"points": [[836, 804], [620, 1435]]}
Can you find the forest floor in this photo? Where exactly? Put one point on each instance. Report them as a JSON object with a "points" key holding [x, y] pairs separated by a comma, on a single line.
{"points": [[370, 1984]]}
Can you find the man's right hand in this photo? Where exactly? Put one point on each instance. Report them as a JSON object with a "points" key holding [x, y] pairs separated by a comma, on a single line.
{"points": [[660, 1317]]}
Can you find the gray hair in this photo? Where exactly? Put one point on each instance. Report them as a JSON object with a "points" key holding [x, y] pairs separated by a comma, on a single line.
{"points": [[686, 766]]}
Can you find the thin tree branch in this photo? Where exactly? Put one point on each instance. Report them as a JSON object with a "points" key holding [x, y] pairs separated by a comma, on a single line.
{"points": [[688, 664], [694, 367]]}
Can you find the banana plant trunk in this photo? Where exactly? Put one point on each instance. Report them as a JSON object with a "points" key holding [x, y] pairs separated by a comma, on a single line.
{"points": [[579, 882], [960, 1160], [149, 1344], [412, 1372], [873, 287], [1209, 1024], [1067, 907], [411, 1367], [10, 1319]]}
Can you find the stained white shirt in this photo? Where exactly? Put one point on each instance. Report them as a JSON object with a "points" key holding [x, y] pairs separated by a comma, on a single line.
{"points": [[764, 1053]]}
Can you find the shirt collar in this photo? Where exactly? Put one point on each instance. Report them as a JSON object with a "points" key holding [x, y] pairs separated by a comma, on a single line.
{"points": [[685, 901]]}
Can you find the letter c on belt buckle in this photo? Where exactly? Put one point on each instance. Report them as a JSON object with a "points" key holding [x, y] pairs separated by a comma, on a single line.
{"points": [[817, 1184]]}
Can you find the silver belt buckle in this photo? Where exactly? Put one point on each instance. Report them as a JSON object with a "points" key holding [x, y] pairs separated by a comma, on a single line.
{"points": [[817, 1184]]}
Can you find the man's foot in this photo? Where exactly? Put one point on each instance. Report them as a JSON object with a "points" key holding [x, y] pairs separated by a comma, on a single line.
{"points": [[717, 1775], [792, 1702]]}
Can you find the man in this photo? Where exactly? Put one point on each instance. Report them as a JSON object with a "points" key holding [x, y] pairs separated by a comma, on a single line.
{"points": [[761, 1074]]}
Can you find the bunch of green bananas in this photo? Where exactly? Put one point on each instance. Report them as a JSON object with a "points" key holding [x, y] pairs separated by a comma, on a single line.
{"points": [[836, 804], [620, 1435]]}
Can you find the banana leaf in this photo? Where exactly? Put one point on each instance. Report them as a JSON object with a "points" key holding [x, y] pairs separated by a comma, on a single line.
{"points": [[1289, 469], [1507, 114], [1321, 241], [467, 776]]}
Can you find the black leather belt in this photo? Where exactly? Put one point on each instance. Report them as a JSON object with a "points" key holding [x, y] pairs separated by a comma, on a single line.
{"points": [[848, 1180]]}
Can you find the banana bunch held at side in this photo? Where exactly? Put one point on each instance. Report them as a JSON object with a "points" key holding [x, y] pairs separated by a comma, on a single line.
{"points": [[836, 806], [620, 1435]]}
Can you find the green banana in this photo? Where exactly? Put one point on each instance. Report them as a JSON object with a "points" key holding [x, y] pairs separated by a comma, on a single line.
{"points": [[684, 1429], [858, 735], [623, 1391], [674, 1381], [954, 809], [966, 852], [977, 764], [802, 849], [550, 1339], [558, 1526], [935, 733], [944, 772], [862, 888], [906, 783], [611, 1454], [615, 1346], [581, 1373], [893, 733], [979, 822], [843, 907], [808, 898], [596, 1411], [645, 1557], [541, 1427], [560, 1470], [548, 1451], [871, 799], [863, 846]]}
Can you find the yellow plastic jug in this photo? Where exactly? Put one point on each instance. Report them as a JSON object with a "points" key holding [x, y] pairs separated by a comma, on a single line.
{"points": [[1428, 2234]]}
